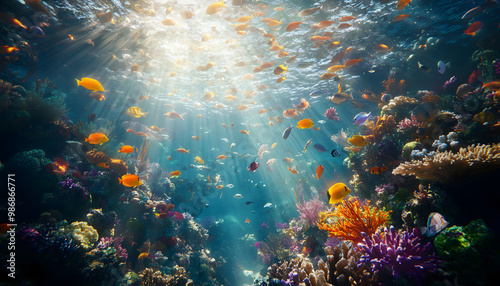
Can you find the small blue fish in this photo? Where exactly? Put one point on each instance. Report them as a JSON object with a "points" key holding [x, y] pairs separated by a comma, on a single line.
{"points": [[361, 118], [317, 93], [320, 148], [435, 224], [37, 31], [287, 132]]}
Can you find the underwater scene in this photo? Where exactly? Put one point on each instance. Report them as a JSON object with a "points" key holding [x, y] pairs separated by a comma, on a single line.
{"points": [[250, 142]]}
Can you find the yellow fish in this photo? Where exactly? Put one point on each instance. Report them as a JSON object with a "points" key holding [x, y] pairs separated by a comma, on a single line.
{"points": [[357, 140], [198, 160], [305, 123], [215, 7], [130, 180], [135, 112], [97, 138], [175, 174], [244, 19], [280, 69], [337, 193], [90, 84], [143, 255]]}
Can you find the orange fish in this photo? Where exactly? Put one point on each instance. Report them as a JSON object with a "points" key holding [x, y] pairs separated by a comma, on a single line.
{"points": [[344, 26], [130, 130], [221, 157], [402, 4], [219, 187], [103, 165], [319, 172], [288, 160], [262, 111], [126, 149], [347, 18], [292, 26], [303, 105], [9, 20], [378, 170], [97, 138], [140, 134], [7, 50], [175, 174], [266, 65], [169, 158], [97, 96], [400, 18], [143, 255], [224, 125], [290, 113], [155, 128], [474, 28], [352, 62], [492, 85], [195, 138], [244, 132], [182, 150], [319, 39], [324, 24], [130, 180], [381, 48], [143, 97], [171, 115], [293, 171], [247, 221]]}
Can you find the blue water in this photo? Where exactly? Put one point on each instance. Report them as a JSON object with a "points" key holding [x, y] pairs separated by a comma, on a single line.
{"points": [[106, 52]]}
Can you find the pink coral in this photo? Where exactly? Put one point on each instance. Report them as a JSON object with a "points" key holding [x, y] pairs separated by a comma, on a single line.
{"points": [[309, 211], [331, 113], [407, 123]]}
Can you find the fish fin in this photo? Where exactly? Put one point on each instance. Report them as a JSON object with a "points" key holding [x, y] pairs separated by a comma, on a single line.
{"points": [[120, 180], [78, 82], [86, 139], [112, 21], [392, 49]]}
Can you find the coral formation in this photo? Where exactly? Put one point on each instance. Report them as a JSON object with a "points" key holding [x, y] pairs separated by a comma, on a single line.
{"points": [[399, 102], [332, 114], [29, 161], [351, 218], [448, 166], [403, 254], [310, 210], [94, 157], [84, 234], [118, 165], [149, 277]]}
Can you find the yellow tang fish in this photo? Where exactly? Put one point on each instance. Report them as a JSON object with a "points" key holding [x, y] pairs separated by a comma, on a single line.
{"points": [[143, 255], [305, 123], [97, 138], [357, 140], [215, 7], [90, 84], [337, 193], [130, 180], [198, 160], [135, 112]]}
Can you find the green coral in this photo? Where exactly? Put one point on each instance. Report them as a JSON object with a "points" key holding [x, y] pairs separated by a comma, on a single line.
{"points": [[29, 161], [464, 250], [484, 60], [43, 103]]}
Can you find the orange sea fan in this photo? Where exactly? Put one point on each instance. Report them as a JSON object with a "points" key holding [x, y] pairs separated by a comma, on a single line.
{"points": [[350, 218]]}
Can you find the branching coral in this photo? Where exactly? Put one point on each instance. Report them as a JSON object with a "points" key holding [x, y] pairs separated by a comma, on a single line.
{"points": [[393, 87], [43, 103], [403, 254], [310, 210], [399, 102], [277, 246], [350, 219], [447, 166], [339, 268], [384, 125]]}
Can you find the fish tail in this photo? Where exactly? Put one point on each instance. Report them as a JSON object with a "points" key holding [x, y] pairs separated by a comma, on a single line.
{"points": [[86, 139], [78, 82], [120, 180], [144, 114], [188, 151]]}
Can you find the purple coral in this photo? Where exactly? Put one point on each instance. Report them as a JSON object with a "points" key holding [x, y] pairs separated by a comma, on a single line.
{"points": [[331, 113], [310, 210], [69, 184], [407, 123], [384, 189], [106, 242], [402, 253]]}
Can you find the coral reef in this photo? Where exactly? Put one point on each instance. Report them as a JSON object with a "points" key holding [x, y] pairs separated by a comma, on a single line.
{"points": [[84, 234], [149, 277], [383, 126], [448, 166], [332, 114], [94, 157], [399, 102], [351, 218], [310, 210], [467, 252], [403, 254], [118, 165], [43, 103], [29, 161], [339, 268], [276, 246]]}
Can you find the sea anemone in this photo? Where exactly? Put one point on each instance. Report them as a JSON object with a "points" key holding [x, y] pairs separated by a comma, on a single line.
{"points": [[331, 113]]}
